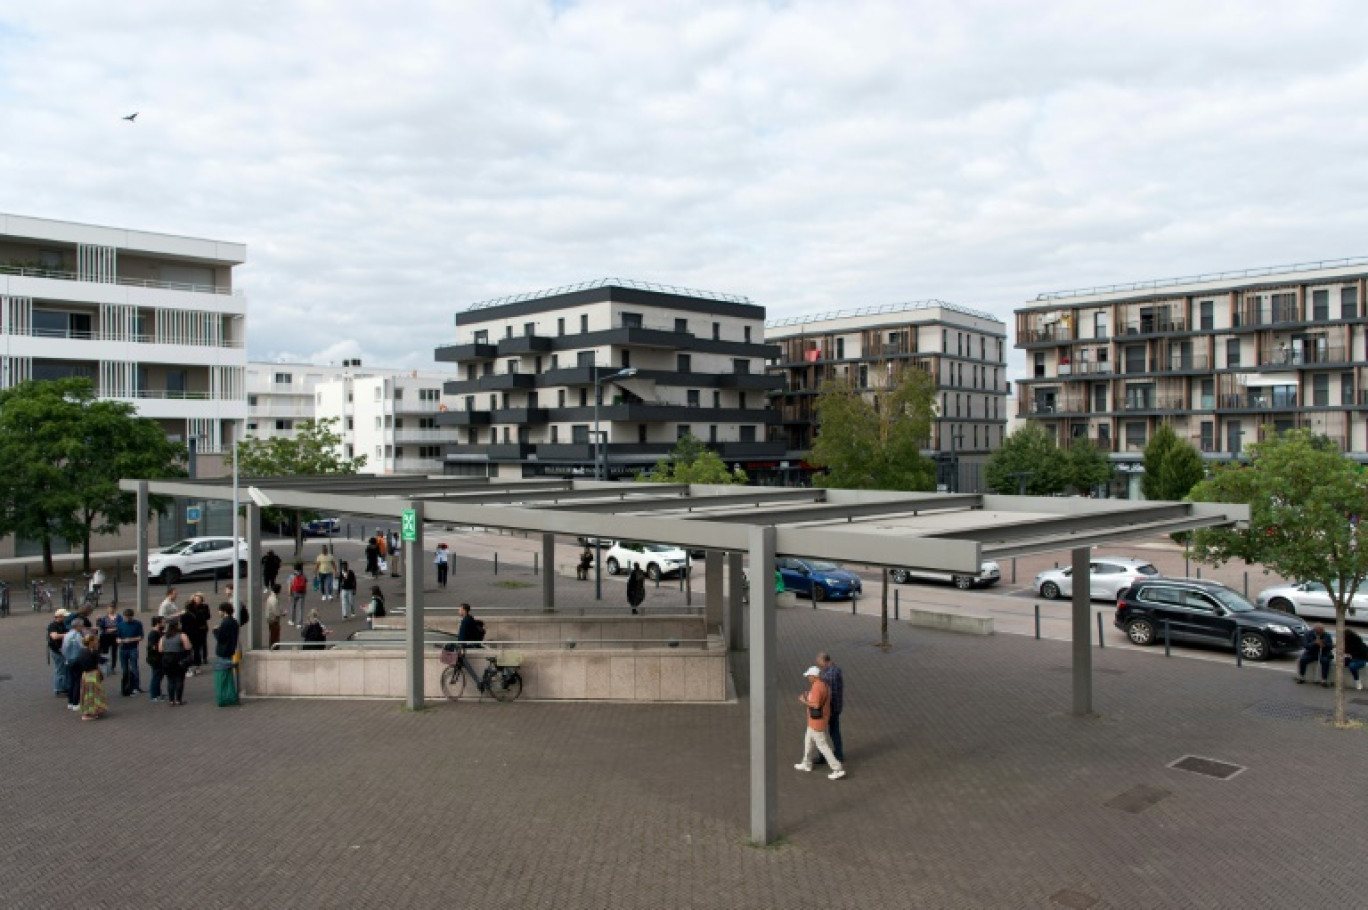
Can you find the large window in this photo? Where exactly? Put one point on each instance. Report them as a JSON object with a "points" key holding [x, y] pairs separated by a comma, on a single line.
{"points": [[1320, 305], [60, 324], [1320, 390], [1348, 303], [1208, 315], [1232, 352]]}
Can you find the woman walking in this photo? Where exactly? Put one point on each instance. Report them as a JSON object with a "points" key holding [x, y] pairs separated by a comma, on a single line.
{"points": [[441, 561], [175, 650]]}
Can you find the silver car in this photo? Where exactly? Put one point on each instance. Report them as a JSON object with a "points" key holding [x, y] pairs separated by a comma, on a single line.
{"points": [[989, 574], [1109, 576], [1311, 600]]}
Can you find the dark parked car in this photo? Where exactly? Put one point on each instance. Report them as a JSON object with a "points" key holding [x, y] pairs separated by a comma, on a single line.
{"points": [[818, 579], [1204, 611], [323, 527]]}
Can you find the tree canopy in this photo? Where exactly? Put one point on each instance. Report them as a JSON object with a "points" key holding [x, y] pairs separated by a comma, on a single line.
{"points": [[62, 455], [1306, 503], [692, 461], [1173, 466], [315, 448], [872, 440], [1030, 458]]}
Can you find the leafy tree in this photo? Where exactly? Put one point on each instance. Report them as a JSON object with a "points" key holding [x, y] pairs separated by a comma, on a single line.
{"points": [[1172, 466], [1029, 451], [62, 454], [1086, 465], [1306, 501], [873, 440], [692, 462]]}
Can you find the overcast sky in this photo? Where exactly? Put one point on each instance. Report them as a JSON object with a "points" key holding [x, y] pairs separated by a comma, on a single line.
{"points": [[388, 164]]}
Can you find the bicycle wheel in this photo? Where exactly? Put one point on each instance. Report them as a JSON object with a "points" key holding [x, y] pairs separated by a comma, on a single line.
{"points": [[453, 683], [505, 685]]}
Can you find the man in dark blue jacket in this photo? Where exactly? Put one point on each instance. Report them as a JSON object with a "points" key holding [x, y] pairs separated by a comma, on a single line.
{"points": [[469, 631], [1320, 646]]}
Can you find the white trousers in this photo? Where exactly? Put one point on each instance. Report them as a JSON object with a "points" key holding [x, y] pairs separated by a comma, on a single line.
{"points": [[817, 741]]}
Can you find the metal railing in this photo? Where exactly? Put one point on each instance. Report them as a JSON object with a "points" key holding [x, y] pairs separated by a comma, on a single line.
{"points": [[474, 649], [880, 310], [1208, 277], [123, 338], [605, 283], [60, 275]]}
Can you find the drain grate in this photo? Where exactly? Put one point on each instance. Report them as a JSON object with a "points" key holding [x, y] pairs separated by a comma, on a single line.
{"points": [[1208, 766], [1286, 710], [1075, 900], [1137, 799]]}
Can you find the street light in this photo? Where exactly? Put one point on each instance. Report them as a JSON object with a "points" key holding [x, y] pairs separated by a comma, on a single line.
{"points": [[599, 468]]}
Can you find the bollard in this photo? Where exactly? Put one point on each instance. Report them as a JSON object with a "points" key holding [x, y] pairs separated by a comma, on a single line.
{"points": [[852, 606], [1199, 573], [1101, 642], [216, 575], [26, 582], [895, 606], [812, 595], [496, 562], [1246, 584], [116, 588], [1013, 570], [1166, 639], [1239, 658], [1187, 571], [535, 557], [1037, 620]]}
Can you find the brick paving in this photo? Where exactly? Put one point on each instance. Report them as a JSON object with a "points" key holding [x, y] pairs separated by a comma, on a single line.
{"points": [[970, 786]]}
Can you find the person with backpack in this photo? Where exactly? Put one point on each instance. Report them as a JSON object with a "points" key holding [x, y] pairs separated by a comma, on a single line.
{"points": [[72, 645], [471, 632], [376, 607], [299, 586]]}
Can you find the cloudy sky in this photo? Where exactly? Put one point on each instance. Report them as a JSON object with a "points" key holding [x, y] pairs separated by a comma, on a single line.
{"points": [[388, 164]]}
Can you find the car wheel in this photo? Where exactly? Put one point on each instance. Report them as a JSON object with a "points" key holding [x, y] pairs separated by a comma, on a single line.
{"points": [[171, 576], [653, 572], [964, 582], [899, 576], [1252, 645], [1049, 591], [1140, 632], [1282, 605], [611, 565], [819, 592]]}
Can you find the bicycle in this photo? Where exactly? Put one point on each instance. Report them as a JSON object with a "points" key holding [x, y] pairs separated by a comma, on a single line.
{"points": [[41, 597], [500, 680]]}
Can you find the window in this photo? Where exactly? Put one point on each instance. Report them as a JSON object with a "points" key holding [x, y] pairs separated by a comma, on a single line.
{"points": [[429, 394], [1320, 305], [1208, 315], [427, 423], [1320, 390], [350, 424], [1348, 303], [283, 378], [513, 366], [508, 331], [1099, 398], [692, 398], [684, 363], [493, 402], [251, 427], [682, 326], [626, 359], [840, 349], [747, 336], [584, 359], [481, 337], [584, 398], [555, 361], [864, 376], [747, 433], [1039, 365], [251, 401], [741, 366], [717, 331], [632, 321], [1232, 352], [529, 328], [712, 433], [1135, 435], [1208, 394], [717, 399], [470, 402], [555, 434], [472, 437], [1208, 437], [584, 322], [741, 400], [284, 425], [428, 451], [560, 325], [682, 430], [377, 422], [560, 398], [1346, 388], [1099, 329]]}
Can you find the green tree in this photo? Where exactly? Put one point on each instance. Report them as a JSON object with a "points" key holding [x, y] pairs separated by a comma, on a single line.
{"points": [[62, 454], [692, 462], [1086, 465], [873, 440], [1306, 501], [1032, 453], [1173, 466]]}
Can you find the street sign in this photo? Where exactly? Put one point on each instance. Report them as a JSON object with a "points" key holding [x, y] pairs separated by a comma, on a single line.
{"points": [[192, 514], [408, 522]]}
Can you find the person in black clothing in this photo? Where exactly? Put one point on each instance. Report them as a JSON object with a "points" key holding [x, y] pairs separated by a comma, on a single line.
{"points": [[226, 635], [372, 557], [1320, 648], [56, 631], [314, 633], [191, 629], [469, 631], [1355, 655], [154, 658], [270, 569], [636, 587]]}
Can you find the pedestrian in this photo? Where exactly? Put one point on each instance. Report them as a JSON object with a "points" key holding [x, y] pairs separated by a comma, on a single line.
{"points": [[835, 683], [1355, 655], [299, 586], [346, 589], [154, 638], [372, 557], [225, 650], [325, 567], [56, 631], [175, 661], [272, 610], [636, 587], [314, 632], [470, 632], [376, 607], [270, 569], [382, 543], [586, 562], [97, 584], [1319, 647], [818, 704], [73, 643], [190, 623], [200, 639], [441, 561], [130, 636], [108, 627], [92, 703], [169, 608]]}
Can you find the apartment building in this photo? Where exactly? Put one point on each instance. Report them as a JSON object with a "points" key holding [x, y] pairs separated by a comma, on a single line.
{"points": [[642, 364], [1227, 358], [389, 416], [280, 396], [152, 319], [962, 348]]}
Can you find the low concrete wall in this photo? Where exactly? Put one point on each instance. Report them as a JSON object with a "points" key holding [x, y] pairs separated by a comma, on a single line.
{"points": [[585, 631], [964, 623]]}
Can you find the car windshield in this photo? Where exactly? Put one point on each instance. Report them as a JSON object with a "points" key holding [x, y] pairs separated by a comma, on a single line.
{"points": [[1146, 569], [1231, 601], [179, 547], [659, 548], [818, 565]]}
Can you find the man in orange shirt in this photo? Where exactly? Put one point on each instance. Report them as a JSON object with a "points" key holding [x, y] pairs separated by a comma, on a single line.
{"points": [[818, 704]]}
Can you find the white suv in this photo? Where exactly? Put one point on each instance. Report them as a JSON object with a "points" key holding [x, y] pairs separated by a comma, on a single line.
{"points": [[196, 556], [656, 559]]}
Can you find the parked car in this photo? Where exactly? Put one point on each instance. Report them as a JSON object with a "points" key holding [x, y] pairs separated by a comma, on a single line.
{"points": [[196, 556], [1207, 612], [656, 559], [818, 579], [989, 574], [1108, 576], [322, 527], [1312, 600]]}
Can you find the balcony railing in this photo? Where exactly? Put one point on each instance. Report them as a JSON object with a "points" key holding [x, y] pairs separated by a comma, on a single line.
{"points": [[1180, 362], [1047, 333], [125, 338], [162, 394], [1155, 326], [1153, 403], [57, 274], [422, 434], [1259, 402], [1314, 355]]}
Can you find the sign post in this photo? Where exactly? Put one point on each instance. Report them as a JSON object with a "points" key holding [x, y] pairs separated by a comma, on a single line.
{"points": [[408, 525]]}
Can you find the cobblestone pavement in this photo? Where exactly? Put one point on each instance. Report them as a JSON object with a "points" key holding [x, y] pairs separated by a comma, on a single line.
{"points": [[970, 786]]}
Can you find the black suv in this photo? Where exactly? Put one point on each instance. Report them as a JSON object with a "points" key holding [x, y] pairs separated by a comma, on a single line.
{"points": [[1204, 611]]}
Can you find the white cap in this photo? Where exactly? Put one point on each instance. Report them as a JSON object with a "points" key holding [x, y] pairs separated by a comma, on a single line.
{"points": [[812, 671]]}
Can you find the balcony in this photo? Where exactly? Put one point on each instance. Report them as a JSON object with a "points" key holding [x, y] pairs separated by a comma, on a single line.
{"points": [[740, 450], [506, 381], [521, 415], [1255, 402], [1154, 403], [1332, 354], [417, 465], [1181, 363], [463, 419], [456, 353], [1157, 325], [128, 338], [1046, 334], [524, 344], [1052, 407], [422, 434], [58, 275], [749, 381]]}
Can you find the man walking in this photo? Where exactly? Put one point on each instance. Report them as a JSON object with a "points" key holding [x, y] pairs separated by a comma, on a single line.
{"points": [[835, 682], [470, 631], [270, 568], [818, 704], [130, 633]]}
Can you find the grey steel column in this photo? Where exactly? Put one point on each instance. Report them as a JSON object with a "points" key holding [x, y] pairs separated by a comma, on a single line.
{"points": [[1082, 632], [763, 723], [735, 618], [548, 556], [413, 635], [256, 623], [712, 581], [140, 567]]}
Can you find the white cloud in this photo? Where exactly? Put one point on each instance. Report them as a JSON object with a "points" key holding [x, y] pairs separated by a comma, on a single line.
{"points": [[388, 165]]}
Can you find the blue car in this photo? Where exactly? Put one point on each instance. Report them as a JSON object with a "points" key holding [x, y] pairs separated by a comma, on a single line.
{"points": [[818, 579]]}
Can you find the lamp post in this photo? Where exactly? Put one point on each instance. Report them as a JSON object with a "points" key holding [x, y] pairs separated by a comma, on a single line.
{"points": [[599, 468]]}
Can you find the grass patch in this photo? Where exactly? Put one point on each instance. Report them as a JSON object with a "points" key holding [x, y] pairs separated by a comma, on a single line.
{"points": [[514, 585], [779, 843]]}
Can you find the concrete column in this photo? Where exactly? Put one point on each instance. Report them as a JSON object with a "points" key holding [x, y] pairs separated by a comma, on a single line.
{"points": [[712, 581], [763, 722], [255, 637], [1082, 632], [140, 567], [735, 618], [548, 557], [413, 634]]}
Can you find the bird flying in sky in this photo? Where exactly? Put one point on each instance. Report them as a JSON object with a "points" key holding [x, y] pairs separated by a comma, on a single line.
{"points": [[131, 117]]}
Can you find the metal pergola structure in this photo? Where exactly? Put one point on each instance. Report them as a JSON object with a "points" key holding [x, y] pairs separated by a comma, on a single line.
{"points": [[938, 532]]}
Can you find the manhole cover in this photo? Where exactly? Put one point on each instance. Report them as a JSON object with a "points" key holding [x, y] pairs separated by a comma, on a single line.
{"points": [[1076, 900], [1208, 766], [1137, 799]]}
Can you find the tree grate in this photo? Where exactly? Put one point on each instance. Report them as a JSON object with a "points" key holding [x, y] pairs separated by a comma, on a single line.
{"points": [[1207, 766], [1284, 710], [1137, 799], [1075, 900]]}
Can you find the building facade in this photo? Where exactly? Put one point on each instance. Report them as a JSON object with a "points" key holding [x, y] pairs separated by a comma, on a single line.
{"points": [[1225, 358], [963, 349], [666, 361]]}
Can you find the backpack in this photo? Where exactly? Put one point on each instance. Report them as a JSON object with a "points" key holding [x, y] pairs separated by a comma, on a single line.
{"points": [[298, 584], [479, 631]]}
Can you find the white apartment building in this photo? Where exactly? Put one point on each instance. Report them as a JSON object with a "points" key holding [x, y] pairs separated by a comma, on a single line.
{"points": [[282, 395]]}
